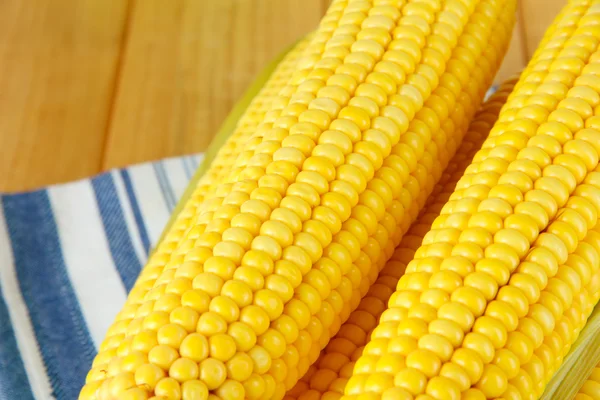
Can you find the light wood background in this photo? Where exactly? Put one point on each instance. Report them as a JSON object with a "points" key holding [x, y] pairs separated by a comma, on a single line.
{"points": [[89, 85]]}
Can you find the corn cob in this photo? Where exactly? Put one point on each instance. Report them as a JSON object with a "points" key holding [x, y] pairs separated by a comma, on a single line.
{"points": [[465, 103], [245, 246], [219, 168], [327, 378], [498, 271], [465, 111], [591, 387]]}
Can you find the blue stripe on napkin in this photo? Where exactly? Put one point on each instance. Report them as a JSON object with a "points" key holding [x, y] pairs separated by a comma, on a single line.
{"points": [[137, 213], [65, 343], [165, 185], [119, 241], [15, 384]]}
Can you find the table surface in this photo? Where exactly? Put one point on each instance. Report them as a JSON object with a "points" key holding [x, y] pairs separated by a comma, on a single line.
{"points": [[89, 85]]}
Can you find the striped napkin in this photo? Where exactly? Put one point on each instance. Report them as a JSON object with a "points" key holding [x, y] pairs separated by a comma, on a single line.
{"points": [[68, 256]]}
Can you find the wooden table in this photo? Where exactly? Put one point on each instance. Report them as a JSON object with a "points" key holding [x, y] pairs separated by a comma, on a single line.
{"points": [[88, 85]]}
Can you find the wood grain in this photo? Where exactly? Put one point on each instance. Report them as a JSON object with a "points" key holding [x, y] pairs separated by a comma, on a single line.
{"points": [[186, 63], [58, 62], [538, 15], [87, 85], [516, 58]]}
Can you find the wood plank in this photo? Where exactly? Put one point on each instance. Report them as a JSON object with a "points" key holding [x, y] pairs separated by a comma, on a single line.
{"points": [[186, 63], [538, 15], [57, 67], [516, 58]]}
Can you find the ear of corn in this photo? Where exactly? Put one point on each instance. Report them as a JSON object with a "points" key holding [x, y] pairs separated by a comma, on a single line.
{"points": [[509, 270], [327, 377], [213, 170], [261, 269]]}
